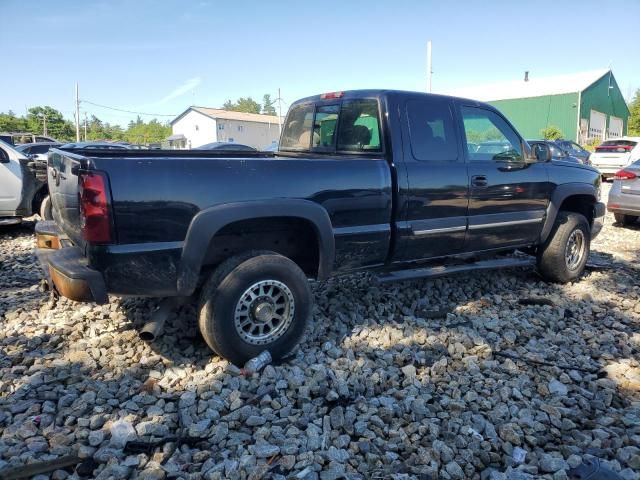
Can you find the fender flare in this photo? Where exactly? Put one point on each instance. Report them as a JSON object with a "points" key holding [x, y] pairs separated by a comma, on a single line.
{"points": [[208, 222], [560, 194]]}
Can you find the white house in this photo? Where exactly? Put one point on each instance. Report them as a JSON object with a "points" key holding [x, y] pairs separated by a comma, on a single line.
{"points": [[197, 126]]}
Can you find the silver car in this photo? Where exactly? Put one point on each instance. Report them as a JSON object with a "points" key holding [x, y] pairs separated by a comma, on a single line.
{"points": [[624, 196]]}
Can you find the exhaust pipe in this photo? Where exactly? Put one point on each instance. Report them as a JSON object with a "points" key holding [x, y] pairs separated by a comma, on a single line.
{"points": [[155, 326]]}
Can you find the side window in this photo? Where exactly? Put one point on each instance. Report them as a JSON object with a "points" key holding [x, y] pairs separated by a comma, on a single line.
{"points": [[359, 128], [493, 138], [296, 135], [431, 130]]}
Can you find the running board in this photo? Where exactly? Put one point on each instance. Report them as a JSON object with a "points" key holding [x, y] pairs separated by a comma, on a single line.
{"points": [[442, 270]]}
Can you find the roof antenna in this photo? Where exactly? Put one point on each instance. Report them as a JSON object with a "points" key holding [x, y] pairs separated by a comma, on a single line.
{"points": [[526, 75]]}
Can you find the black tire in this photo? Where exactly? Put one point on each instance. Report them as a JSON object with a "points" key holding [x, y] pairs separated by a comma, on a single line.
{"points": [[45, 209], [623, 219], [221, 301], [553, 263]]}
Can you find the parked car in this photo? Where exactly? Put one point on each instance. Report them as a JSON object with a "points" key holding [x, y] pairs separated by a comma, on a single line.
{"points": [[557, 153], [226, 146], [95, 145], [38, 150], [575, 150], [23, 186], [243, 233], [624, 196], [21, 137], [613, 155]]}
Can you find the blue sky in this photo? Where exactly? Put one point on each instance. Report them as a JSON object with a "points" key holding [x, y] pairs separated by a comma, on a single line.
{"points": [[160, 56]]}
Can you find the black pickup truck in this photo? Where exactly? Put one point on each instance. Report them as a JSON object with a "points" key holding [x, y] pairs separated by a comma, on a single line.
{"points": [[385, 181]]}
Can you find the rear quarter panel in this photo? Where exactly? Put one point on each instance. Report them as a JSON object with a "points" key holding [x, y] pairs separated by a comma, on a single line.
{"points": [[155, 199]]}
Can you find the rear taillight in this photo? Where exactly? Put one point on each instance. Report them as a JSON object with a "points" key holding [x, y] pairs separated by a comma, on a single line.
{"points": [[94, 208], [625, 175], [614, 148]]}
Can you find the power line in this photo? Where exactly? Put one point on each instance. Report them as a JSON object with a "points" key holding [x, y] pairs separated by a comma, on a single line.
{"points": [[129, 111]]}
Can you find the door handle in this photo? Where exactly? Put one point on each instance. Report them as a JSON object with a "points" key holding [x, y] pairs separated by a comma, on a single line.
{"points": [[479, 181]]}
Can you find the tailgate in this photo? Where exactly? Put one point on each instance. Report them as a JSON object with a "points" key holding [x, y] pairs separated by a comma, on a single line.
{"points": [[63, 188]]}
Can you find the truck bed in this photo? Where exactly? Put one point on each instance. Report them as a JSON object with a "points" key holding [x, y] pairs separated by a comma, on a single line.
{"points": [[155, 195]]}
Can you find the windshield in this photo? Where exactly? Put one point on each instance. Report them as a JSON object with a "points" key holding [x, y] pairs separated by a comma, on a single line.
{"points": [[350, 126]]}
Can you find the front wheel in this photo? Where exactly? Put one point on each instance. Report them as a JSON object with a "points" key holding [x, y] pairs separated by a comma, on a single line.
{"points": [[623, 219], [564, 255], [255, 302]]}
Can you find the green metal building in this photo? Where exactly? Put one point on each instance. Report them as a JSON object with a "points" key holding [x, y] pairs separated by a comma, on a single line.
{"points": [[584, 106]]}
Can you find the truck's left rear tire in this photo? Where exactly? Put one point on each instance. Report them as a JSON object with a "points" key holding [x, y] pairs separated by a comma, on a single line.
{"points": [[255, 302], [563, 257]]}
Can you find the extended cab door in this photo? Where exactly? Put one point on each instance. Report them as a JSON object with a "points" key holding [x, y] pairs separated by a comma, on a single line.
{"points": [[508, 197], [432, 216]]}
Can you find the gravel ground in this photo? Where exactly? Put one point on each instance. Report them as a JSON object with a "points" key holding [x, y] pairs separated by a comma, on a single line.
{"points": [[449, 378]]}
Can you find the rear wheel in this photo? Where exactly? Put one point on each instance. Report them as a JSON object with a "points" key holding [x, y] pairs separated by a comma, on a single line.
{"points": [[255, 302], [623, 219], [563, 257]]}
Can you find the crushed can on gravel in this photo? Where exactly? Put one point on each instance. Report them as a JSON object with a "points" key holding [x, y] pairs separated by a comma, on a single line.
{"points": [[257, 363]]}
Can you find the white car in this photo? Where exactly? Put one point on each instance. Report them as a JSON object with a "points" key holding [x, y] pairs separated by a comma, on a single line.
{"points": [[613, 155], [23, 186]]}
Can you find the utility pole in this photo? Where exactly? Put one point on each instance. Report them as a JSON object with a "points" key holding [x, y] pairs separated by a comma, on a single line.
{"points": [[44, 126], [279, 112], [85, 126], [77, 114], [429, 68]]}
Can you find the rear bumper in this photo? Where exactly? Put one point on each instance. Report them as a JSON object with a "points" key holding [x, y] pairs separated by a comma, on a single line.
{"points": [[65, 267], [599, 211], [627, 204]]}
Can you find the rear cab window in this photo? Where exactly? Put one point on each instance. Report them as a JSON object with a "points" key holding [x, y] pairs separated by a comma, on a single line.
{"points": [[343, 126], [431, 130]]}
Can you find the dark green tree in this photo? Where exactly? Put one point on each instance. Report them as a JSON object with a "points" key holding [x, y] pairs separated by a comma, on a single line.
{"points": [[57, 126], [551, 133], [9, 122], [268, 107], [246, 105]]}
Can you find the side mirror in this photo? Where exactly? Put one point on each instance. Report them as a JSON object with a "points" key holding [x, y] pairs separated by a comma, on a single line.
{"points": [[542, 152], [4, 156]]}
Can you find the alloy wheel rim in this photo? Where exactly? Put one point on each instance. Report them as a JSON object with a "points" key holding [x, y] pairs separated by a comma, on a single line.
{"points": [[574, 251], [264, 312]]}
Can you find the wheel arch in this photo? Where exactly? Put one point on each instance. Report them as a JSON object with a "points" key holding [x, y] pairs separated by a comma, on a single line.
{"points": [[574, 197], [38, 197], [209, 222]]}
